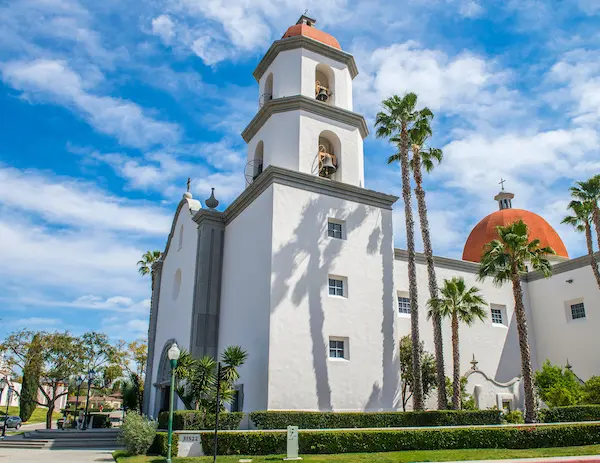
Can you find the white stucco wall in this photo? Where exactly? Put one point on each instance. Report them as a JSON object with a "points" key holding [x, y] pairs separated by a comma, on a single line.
{"points": [[496, 347], [294, 74], [245, 295], [304, 316], [489, 393], [558, 337], [175, 313]]}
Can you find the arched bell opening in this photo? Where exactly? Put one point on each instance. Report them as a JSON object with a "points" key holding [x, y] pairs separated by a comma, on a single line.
{"points": [[324, 84], [329, 155], [258, 160]]}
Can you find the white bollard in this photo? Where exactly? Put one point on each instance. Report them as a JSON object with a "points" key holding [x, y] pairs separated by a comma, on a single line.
{"points": [[292, 443]]}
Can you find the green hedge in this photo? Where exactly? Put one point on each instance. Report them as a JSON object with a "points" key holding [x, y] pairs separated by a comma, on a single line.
{"points": [[333, 420], [570, 414], [161, 444], [189, 420], [351, 441]]}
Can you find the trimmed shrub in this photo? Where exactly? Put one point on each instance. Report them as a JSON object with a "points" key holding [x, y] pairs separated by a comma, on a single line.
{"points": [[194, 420], [137, 433], [570, 414], [355, 441], [333, 420], [514, 417], [161, 444]]}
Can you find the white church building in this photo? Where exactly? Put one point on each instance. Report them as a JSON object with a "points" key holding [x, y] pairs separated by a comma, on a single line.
{"points": [[300, 270]]}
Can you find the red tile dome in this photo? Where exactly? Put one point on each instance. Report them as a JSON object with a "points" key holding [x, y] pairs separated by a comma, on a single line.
{"points": [[306, 29], [485, 231]]}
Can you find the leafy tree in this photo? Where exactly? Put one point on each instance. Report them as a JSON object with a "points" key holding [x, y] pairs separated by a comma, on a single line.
{"points": [[504, 260], [147, 260], [461, 305], [557, 386], [581, 221], [196, 379], [588, 192], [427, 159], [32, 370], [591, 390], [467, 401], [396, 122], [61, 359], [133, 357], [428, 370]]}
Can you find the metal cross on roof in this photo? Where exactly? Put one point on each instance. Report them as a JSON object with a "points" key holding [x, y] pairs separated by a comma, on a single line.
{"points": [[501, 182], [188, 184]]}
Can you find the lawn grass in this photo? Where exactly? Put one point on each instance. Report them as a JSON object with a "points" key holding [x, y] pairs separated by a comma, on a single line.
{"points": [[39, 415], [391, 457]]}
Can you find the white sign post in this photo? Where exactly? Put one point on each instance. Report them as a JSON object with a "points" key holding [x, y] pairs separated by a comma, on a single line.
{"points": [[292, 443]]}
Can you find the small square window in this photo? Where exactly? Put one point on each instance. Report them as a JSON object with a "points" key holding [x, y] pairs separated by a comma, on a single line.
{"points": [[335, 230], [336, 287], [336, 349], [404, 305], [497, 316], [577, 311]]}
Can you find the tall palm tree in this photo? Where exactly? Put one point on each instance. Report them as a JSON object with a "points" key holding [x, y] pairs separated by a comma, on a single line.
{"points": [[461, 305], [427, 159], [581, 220], [395, 122], [148, 259], [504, 260], [589, 192]]}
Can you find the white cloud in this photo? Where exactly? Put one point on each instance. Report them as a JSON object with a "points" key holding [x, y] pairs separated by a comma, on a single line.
{"points": [[54, 80], [35, 323], [77, 203], [163, 27]]}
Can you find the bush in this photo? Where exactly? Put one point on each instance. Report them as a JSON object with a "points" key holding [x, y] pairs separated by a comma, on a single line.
{"points": [[188, 420], [514, 417], [161, 444], [333, 420], [350, 441], [570, 414], [137, 433]]}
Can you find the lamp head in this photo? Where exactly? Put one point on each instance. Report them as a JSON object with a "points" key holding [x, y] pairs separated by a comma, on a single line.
{"points": [[91, 374], [174, 352], [3, 383]]}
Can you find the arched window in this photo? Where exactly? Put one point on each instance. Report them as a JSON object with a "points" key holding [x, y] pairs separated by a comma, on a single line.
{"points": [[180, 244], [329, 153], [176, 284], [258, 159], [268, 91], [324, 84]]}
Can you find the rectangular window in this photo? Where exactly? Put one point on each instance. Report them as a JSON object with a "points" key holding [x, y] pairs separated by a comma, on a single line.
{"points": [[577, 311], [403, 305], [336, 349], [336, 287], [497, 316], [334, 230]]}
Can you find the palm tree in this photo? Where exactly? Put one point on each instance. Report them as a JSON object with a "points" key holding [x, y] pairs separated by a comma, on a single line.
{"points": [[581, 220], [459, 304], [395, 122], [148, 259], [504, 260], [427, 159], [589, 192]]}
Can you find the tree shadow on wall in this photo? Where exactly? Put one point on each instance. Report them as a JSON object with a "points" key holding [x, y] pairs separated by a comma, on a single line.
{"points": [[313, 251]]}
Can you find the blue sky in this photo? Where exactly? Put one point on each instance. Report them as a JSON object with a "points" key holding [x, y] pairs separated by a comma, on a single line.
{"points": [[107, 107]]}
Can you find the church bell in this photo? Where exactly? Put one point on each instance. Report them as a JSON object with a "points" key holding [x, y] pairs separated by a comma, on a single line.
{"points": [[322, 95], [327, 166]]}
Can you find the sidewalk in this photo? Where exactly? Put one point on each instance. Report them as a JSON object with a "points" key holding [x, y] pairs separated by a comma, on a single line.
{"points": [[55, 456]]}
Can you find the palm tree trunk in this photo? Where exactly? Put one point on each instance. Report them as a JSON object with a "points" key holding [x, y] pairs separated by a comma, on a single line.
{"points": [[438, 341], [412, 273], [456, 364], [526, 370], [596, 219], [590, 246]]}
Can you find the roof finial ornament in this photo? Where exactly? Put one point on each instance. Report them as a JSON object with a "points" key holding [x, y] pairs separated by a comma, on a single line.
{"points": [[212, 202], [569, 366], [501, 182], [474, 363], [188, 184], [188, 194]]}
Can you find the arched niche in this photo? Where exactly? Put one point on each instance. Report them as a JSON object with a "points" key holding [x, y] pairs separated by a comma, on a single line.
{"points": [[259, 153], [329, 144], [163, 380], [180, 242], [268, 90], [324, 84]]}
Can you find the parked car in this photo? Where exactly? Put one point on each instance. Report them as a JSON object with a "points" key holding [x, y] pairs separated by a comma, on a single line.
{"points": [[11, 422]]}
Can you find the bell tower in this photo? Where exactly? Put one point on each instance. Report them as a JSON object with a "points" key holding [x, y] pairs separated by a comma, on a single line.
{"points": [[305, 120]]}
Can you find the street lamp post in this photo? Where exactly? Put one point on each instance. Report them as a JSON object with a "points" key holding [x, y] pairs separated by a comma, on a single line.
{"points": [[91, 376], [173, 354], [78, 381]]}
